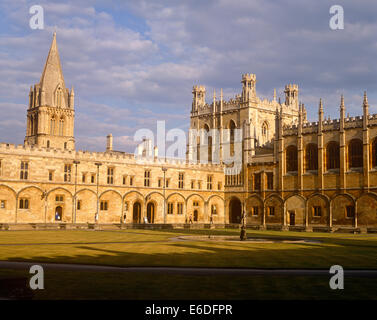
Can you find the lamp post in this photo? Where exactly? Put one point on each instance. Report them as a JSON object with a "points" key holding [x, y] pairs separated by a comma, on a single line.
{"points": [[164, 170], [98, 164], [76, 162]]}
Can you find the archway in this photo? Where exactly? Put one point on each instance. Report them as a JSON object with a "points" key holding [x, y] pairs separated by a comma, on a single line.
{"points": [[136, 213], [58, 213], [235, 211], [195, 215], [150, 212]]}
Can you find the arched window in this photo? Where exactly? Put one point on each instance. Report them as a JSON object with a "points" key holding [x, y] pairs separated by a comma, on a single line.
{"points": [[355, 153], [59, 97], [61, 126], [31, 125], [52, 126], [48, 143], [265, 131], [209, 143], [311, 157], [291, 158], [374, 153], [232, 126], [332, 156]]}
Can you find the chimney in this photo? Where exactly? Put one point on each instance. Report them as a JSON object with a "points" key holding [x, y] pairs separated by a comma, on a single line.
{"points": [[109, 146]]}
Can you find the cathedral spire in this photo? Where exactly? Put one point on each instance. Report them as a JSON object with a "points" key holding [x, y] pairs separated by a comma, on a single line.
{"points": [[52, 69]]}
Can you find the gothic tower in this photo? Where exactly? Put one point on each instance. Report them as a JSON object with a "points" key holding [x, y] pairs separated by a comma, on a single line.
{"points": [[51, 114]]}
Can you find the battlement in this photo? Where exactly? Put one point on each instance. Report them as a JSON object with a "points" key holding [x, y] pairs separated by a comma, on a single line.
{"points": [[198, 88], [120, 158], [291, 87], [249, 77]]}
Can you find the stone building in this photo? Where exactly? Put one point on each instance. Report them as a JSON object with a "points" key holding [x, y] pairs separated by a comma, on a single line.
{"points": [[295, 174]]}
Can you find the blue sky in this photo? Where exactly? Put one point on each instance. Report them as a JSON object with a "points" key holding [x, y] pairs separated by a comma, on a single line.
{"points": [[134, 62]]}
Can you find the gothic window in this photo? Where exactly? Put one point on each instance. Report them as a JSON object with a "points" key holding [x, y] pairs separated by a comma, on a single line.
{"points": [[332, 156], [270, 180], [110, 175], [52, 126], [170, 208], [104, 205], [31, 125], [59, 97], [317, 211], [209, 143], [265, 132], [209, 182], [147, 177], [355, 153], [374, 153], [257, 181], [24, 203], [311, 157], [24, 173], [181, 177], [291, 158], [61, 127], [179, 208], [67, 172], [232, 126], [271, 211]]}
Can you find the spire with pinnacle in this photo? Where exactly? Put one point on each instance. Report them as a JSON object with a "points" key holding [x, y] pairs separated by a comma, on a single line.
{"points": [[320, 115], [52, 79], [342, 113], [365, 110]]}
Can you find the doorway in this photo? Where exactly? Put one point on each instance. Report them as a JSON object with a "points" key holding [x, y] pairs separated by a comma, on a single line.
{"points": [[235, 209], [196, 215], [292, 218], [150, 212], [58, 213], [136, 217]]}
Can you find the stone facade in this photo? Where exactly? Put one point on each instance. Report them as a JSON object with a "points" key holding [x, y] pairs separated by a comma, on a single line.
{"points": [[295, 174]]}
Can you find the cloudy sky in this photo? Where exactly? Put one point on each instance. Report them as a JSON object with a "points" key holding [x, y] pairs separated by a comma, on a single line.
{"points": [[134, 62]]}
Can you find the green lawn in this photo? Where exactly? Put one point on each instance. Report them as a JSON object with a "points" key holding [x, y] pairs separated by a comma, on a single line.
{"points": [[154, 248], [139, 249]]}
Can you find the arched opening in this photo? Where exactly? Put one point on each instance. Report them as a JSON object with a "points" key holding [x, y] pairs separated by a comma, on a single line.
{"points": [[291, 158], [209, 143], [48, 143], [58, 213], [150, 212], [136, 217], [264, 132], [232, 127], [332, 156], [355, 153], [52, 126], [292, 218], [235, 211], [61, 127], [196, 215], [311, 157], [374, 153]]}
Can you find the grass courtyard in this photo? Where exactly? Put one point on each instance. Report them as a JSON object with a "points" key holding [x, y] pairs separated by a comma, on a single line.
{"points": [[133, 248]]}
